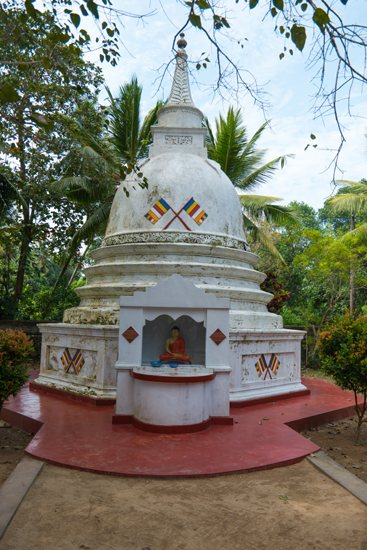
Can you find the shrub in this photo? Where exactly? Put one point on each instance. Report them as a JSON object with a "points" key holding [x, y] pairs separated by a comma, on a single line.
{"points": [[343, 351], [15, 348], [272, 285]]}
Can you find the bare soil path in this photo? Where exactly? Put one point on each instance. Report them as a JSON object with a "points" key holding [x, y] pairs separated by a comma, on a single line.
{"points": [[12, 445], [280, 509]]}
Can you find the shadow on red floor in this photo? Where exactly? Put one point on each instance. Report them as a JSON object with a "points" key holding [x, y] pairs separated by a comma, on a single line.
{"points": [[82, 436]]}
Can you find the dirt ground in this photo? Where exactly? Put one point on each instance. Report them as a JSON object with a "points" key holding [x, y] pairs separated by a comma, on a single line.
{"points": [[280, 509], [337, 440], [13, 442], [12, 445], [316, 374]]}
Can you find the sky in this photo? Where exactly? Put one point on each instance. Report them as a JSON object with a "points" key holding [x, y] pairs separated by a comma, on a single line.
{"points": [[289, 88]]}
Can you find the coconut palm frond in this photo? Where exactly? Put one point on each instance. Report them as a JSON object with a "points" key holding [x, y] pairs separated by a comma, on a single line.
{"points": [[260, 236], [260, 207], [257, 202], [357, 186], [230, 141], [250, 147], [260, 175], [124, 117], [99, 156], [352, 196], [209, 138], [348, 201], [94, 226], [145, 138], [83, 189], [281, 215]]}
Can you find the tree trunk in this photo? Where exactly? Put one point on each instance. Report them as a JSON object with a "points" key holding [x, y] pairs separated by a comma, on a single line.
{"points": [[78, 265], [360, 410], [27, 216], [23, 256], [352, 289]]}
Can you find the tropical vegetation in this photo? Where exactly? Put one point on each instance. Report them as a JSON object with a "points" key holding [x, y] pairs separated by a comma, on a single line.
{"points": [[106, 162], [343, 351], [15, 348], [242, 161]]}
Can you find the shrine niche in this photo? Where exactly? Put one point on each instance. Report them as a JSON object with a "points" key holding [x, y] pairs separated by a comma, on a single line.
{"points": [[173, 376], [157, 332]]}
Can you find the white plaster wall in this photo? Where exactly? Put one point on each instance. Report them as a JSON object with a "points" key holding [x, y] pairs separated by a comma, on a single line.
{"points": [[171, 404], [245, 351], [124, 391], [122, 269], [99, 348]]}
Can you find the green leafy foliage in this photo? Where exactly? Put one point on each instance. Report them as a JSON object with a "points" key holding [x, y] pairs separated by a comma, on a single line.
{"points": [[195, 20], [105, 163], [298, 35], [279, 4], [316, 268], [239, 157], [15, 348], [321, 18], [49, 106], [343, 350]]}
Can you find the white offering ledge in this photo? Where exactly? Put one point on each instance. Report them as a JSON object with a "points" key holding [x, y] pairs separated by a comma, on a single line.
{"points": [[175, 375]]}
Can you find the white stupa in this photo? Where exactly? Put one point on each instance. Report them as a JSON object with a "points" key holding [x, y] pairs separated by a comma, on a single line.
{"points": [[188, 222]]}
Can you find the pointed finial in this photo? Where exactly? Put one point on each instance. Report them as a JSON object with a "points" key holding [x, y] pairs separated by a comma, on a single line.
{"points": [[180, 93], [181, 42]]}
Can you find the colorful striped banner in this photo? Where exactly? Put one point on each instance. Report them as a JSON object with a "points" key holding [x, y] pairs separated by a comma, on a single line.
{"points": [[274, 364], [76, 362], [160, 207], [201, 217], [191, 208], [262, 366], [66, 359]]}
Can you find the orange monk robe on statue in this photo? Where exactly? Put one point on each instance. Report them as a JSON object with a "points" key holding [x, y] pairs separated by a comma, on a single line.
{"points": [[176, 351]]}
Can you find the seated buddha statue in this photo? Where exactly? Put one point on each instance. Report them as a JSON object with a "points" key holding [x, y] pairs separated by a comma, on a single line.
{"points": [[175, 349]]}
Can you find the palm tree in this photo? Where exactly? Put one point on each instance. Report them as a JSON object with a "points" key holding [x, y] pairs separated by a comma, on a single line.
{"points": [[241, 161], [351, 197], [104, 164], [128, 135]]}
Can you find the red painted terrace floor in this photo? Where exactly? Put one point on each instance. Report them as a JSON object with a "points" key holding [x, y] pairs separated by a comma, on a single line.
{"points": [[82, 436]]}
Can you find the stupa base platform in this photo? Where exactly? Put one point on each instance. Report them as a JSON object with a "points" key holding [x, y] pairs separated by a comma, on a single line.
{"points": [[74, 395], [81, 436]]}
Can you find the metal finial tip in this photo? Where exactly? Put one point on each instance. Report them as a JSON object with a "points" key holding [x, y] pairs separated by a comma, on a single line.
{"points": [[181, 42]]}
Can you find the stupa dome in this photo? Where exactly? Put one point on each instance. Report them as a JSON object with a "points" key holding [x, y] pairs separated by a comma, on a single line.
{"points": [[188, 221], [178, 179]]}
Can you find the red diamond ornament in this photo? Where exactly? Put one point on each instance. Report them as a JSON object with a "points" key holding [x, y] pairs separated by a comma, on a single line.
{"points": [[130, 334], [218, 336]]}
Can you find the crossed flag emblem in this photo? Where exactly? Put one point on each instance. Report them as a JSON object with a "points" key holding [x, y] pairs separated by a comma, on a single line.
{"points": [[191, 208], [76, 362], [262, 366]]}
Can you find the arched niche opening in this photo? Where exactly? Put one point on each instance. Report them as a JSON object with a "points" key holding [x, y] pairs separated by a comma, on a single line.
{"points": [[157, 331]]}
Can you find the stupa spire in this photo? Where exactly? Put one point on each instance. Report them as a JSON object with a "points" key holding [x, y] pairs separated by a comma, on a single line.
{"points": [[180, 92], [179, 121]]}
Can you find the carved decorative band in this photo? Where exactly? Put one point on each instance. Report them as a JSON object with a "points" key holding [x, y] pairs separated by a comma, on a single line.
{"points": [[193, 110], [175, 237], [178, 140]]}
